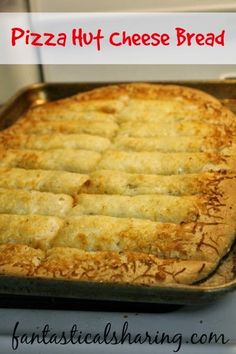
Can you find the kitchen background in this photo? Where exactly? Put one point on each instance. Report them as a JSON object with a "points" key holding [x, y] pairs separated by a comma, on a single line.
{"points": [[13, 77]]}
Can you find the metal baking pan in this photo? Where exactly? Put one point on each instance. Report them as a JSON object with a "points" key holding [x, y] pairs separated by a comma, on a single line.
{"points": [[20, 291]]}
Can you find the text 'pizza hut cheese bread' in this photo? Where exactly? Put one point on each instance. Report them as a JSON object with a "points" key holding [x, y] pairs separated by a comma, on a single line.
{"points": [[133, 183]]}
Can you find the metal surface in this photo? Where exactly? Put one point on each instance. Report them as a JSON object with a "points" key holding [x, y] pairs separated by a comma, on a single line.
{"points": [[75, 291]]}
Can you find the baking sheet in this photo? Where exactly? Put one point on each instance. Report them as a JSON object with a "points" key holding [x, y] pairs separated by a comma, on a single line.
{"points": [[74, 290]]}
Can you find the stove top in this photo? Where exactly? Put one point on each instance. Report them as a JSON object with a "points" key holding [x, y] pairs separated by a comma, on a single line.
{"points": [[208, 329]]}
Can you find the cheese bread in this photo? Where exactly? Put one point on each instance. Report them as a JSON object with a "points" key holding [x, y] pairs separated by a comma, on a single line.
{"points": [[129, 184]]}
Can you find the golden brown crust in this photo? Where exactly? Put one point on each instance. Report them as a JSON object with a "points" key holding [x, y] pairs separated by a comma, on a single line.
{"points": [[165, 163], [123, 183], [113, 267], [33, 230], [73, 264], [128, 267], [206, 104], [54, 141], [146, 91], [171, 144], [207, 232], [79, 161], [100, 128], [157, 203], [21, 202], [22, 260], [110, 100], [42, 180]]}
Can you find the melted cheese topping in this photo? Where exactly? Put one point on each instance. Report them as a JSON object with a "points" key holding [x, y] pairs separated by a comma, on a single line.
{"points": [[129, 183]]}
